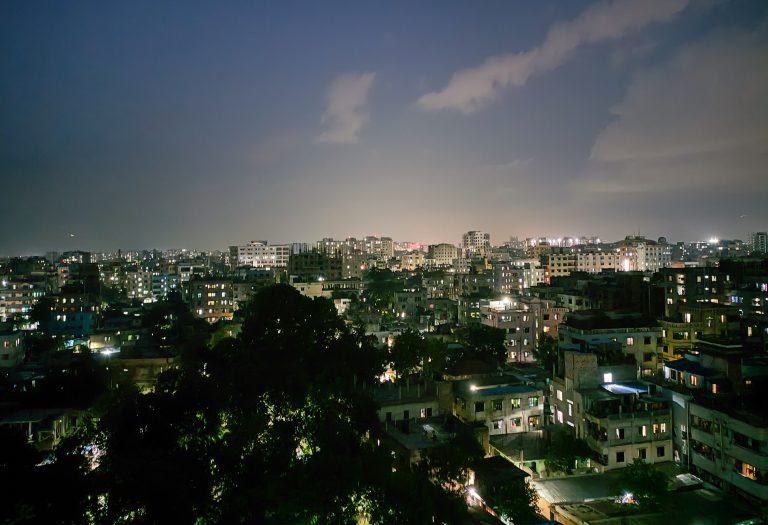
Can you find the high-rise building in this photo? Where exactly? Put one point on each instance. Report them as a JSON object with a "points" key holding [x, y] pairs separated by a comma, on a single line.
{"points": [[759, 241], [259, 254], [476, 242], [442, 254]]}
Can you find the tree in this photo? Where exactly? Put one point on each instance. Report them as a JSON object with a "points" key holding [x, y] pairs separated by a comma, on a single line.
{"points": [[275, 426], [40, 312], [380, 289], [647, 485], [39, 491], [516, 501], [413, 352], [563, 451], [547, 352], [484, 342]]}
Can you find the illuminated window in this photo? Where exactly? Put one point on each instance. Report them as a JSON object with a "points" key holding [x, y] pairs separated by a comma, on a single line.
{"points": [[619, 433], [608, 377], [694, 380], [560, 395], [748, 471], [644, 430], [630, 341]]}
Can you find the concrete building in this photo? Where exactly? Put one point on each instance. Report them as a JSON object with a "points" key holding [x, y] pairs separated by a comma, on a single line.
{"points": [[11, 349], [692, 321], [691, 285], [502, 403], [559, 263], [612, 334], [412, 400], [313, 266], [476, 243], [625, 421], [411, 261], [211, 299], [260, 254], [596, 262], [759, 242], [519, 321], [74, 314], [577, 369], [720, 423], [618, 416], [18, 296], [382, 248], [442, 255]]}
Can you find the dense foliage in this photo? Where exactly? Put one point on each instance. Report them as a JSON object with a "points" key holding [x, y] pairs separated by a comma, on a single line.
{"points": [[275, 426]]}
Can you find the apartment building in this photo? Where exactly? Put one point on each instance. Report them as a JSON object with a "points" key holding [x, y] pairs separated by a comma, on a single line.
{"points": [[502, 403]]}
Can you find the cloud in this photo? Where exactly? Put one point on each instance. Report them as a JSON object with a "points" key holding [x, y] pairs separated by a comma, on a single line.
{"points": [[471, 89], [345, 115], [699, 122]]}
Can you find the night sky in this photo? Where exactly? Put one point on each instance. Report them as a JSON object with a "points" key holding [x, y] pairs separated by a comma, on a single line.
{"points": [[204, 124]]}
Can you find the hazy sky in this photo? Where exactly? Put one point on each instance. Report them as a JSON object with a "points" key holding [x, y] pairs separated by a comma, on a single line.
{"points": [[204, 124]]}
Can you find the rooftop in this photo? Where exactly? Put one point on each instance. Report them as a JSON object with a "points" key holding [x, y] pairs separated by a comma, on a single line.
{"points": [[498, 385]]}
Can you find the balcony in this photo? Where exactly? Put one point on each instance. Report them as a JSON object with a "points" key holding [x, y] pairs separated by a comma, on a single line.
{"points": [[704, 463], [747, 455], [702, 436], [749, 486]]}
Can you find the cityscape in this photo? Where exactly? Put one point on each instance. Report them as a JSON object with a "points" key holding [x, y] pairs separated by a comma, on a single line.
{"points": [[187, 336]]}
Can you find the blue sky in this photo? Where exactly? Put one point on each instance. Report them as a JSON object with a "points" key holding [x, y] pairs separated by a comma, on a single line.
{"points": [[198, 124]]}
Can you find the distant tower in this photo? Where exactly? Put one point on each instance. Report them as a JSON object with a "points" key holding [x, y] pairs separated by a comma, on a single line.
{"points": [[476, 242], [759, 241]]}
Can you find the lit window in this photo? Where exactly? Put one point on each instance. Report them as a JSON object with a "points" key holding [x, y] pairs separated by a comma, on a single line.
{"points": [[748, 471], [608, 377]]}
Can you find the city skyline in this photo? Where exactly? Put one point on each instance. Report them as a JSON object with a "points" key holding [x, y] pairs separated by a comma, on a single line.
{"points": [[161, 125]]}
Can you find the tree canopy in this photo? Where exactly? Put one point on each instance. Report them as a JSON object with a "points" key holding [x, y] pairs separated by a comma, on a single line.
{"points": [[484, 342], [647, 485], [563, 451], [274, 426]]}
